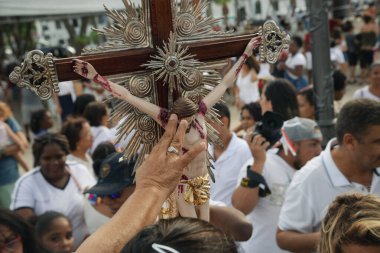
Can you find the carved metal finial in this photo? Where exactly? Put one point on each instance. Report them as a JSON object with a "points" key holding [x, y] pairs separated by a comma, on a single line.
{"points": [[274, 41], [37, 73]]}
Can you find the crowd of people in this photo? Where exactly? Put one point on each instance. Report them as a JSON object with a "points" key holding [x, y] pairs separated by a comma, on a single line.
{"points": [[276, 188]]}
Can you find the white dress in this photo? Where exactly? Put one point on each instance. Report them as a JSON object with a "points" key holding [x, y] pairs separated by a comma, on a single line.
{"points": [[248, 89]]}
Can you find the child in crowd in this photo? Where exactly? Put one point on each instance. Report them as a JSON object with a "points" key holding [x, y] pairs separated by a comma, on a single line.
{"points": [[54, 233], [40, 122], [7, 136]]}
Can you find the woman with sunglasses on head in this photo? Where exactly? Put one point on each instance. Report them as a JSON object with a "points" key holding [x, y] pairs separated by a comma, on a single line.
{"points": [[54, 185], [16, 235]]}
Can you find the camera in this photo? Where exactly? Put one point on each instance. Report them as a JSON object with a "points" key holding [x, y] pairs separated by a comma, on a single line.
{"points": [[269, 127]]}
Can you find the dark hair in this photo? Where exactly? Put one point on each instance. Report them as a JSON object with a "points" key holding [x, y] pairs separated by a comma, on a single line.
{"points": [[367, 18], [223, 111], [254, 110], [21, 227], [49, 138], [298, 40], [356, 117], [282, 95], [339, 80], [81, 102], [94, 113], [336, 33], [72, 129], [44, 222], [252, 63], [182, 234], [184, 107], [35, 120], [308, 93], [101, 151]]}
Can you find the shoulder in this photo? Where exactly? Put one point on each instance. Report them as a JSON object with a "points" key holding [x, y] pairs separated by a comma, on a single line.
{"points": [[310, 174], [31, 178]]}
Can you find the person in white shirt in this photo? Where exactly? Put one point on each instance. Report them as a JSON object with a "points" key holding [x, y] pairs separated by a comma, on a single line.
{"points": [[97, 115], [371, 91], [227, 160], [295, 64], [276, 167], [349, 163], [54, 185], [246, 89]]}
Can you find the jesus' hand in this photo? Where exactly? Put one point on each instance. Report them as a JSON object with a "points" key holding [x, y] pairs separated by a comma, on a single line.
{"points": [[84, 69]]}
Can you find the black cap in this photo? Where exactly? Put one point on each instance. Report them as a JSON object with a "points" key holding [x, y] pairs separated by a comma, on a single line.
{"points": [[114, 175]]}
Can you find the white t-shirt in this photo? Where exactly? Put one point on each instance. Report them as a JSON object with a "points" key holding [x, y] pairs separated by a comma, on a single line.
{"points": [[5, 139], [312, 190], [88, 163], [297, 60], [337, 57], [227, 169], [66, 88], [248, 89], [100, 134], [365, 93], [264, 217], [33, 191]]}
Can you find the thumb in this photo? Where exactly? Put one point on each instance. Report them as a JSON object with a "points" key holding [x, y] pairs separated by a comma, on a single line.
{"points": [[186, 158]]}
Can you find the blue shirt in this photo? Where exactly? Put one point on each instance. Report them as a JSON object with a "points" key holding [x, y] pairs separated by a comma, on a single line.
{"points": [[8, 164]]}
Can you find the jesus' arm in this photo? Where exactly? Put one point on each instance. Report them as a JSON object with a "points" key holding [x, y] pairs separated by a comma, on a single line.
{"points": [[229, 79], [86, 70]]}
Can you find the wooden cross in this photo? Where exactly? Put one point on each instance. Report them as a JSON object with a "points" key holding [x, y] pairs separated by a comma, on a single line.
{"points": [[161, 23]]}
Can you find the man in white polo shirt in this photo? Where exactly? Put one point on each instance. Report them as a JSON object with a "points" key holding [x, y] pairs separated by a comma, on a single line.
{"points": [[276, 168], [350, 163]]}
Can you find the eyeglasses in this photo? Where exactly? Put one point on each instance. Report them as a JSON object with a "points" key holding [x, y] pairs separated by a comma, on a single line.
{"points": [[10, 244], [98, 199]]}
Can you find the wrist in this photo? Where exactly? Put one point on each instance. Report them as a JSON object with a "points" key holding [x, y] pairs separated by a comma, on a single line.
{"points": [[158, 194], [257, 166]]}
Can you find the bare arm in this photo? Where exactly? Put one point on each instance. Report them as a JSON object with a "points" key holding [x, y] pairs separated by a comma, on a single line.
{"points": [[231, 222], [14, 137], [86, 70], [297, 242], [156, 178], [25, 212], [245, 199], [229, 79]]}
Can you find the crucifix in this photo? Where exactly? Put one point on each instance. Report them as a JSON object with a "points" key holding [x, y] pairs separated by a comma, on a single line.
{"points": [[164, 52]]}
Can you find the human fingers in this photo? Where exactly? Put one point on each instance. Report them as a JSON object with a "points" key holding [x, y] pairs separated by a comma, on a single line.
{"points": [[170, 131], [179, 137], [186, 158]]}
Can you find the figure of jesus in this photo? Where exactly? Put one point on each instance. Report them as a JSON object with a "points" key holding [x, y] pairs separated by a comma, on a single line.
{"points": [[194, 186]]}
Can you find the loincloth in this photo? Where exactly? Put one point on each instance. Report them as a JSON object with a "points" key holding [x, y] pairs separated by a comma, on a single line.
{"points": [[197, 191]]}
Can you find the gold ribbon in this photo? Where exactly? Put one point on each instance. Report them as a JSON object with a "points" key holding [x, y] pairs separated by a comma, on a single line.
{"points": [[197, 191]]}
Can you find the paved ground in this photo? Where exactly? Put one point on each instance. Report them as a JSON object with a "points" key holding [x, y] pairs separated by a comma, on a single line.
{"points": [[235, 116]]}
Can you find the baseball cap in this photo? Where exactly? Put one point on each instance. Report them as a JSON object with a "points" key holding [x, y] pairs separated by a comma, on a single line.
{"points": [[298, 129], [115, 174]]}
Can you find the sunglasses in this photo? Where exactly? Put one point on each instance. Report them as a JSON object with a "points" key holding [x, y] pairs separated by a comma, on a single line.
{"points": [[98, 199], [10, 244]]}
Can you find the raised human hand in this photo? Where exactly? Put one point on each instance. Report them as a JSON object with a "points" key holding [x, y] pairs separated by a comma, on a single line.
{"points": [[84, 69], [254, 43], [258, 146], [162, 170]]}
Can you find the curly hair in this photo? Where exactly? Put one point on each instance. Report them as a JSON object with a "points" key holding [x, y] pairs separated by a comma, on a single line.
{"points": [[351, 219], [49, 138]]}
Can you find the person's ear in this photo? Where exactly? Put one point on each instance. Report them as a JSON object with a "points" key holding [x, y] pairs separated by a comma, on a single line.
{"points": [[349, 141], [225, 121]]}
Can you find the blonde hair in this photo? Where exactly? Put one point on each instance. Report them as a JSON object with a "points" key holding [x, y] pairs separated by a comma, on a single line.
{"points": [[351, 219], [5, 111]]}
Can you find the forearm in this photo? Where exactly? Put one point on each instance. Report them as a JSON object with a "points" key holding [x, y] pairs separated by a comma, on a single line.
{"points": [[120, 92], [245, 199], [140, 210], [297, 242], [231, 221]]}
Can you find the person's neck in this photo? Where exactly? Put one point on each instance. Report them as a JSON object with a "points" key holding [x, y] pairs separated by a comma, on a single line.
{"points": [[80, 154], [375, 89], [226, 138], [61, 182], [351, 168], [289, 159]]}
